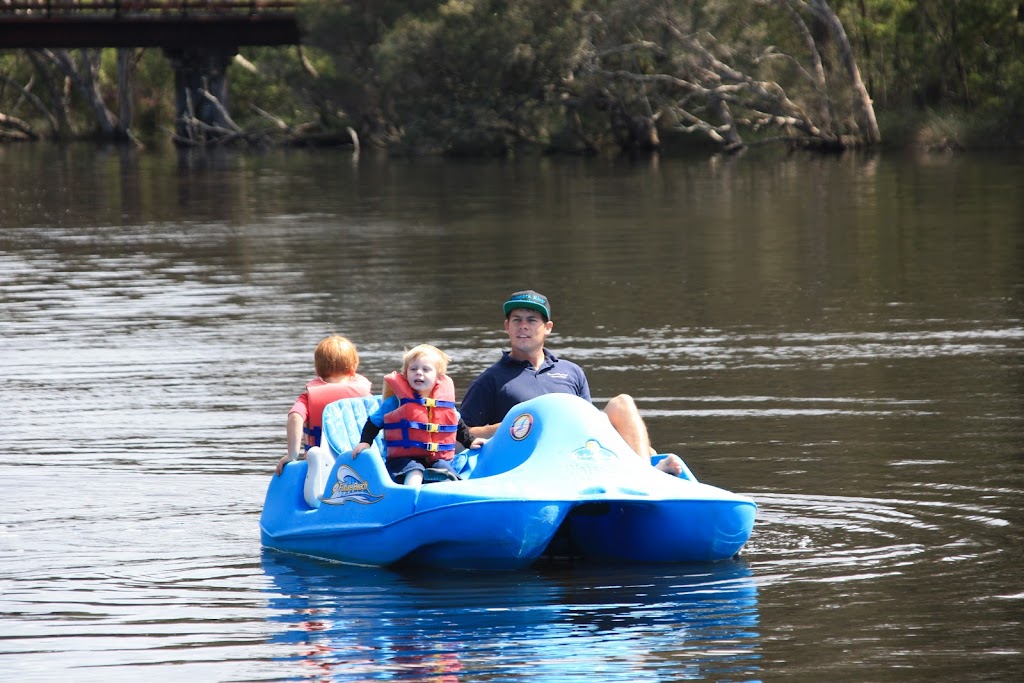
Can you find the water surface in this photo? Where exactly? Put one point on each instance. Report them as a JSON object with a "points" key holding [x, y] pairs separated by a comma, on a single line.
{"points": [[840, 338]]}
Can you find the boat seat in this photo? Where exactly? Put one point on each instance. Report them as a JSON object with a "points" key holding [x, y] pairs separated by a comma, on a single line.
{"points": [[343, 422]]}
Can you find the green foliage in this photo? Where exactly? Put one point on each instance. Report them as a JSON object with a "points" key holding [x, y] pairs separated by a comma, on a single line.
{"points": [[497, 76], [478, 72], [340, 39], [153, 89], [13, 67], [275, 84], [940, 53]]}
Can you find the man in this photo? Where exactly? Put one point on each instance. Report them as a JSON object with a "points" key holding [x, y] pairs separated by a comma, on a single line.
{"points": [[529, 370]]}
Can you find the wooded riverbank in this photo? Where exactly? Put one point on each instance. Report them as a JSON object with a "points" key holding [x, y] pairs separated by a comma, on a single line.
{"points": [[489, 78]]}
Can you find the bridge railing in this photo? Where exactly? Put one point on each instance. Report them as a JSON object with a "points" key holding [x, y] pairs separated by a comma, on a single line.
{"points": [[44, 9]]}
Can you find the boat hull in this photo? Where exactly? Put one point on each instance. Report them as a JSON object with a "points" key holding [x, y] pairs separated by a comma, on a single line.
{"points": [[556, 479]]}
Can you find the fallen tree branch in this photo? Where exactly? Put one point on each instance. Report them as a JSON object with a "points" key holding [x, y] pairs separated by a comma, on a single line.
{"points": [[225, 117], [36, 102], [22, 127], [280, 124]]}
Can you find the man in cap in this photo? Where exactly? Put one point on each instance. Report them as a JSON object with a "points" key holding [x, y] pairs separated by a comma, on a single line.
{"points": [[529, 370]]}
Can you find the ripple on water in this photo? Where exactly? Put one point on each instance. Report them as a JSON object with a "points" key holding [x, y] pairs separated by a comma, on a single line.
{"points": [[838, 530]]}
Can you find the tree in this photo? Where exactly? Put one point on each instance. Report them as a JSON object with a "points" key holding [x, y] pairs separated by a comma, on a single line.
{"points": [[84, 74], [497, 76], [344, 82], [490, 76], [709, 69], [964, 54], [480, 76]]}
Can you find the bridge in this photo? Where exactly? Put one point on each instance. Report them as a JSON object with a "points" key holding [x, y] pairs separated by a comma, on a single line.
{"points": [[146, 23], [200, 37]]}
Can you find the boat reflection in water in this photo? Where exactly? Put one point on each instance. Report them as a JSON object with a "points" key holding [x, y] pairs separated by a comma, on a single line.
{"points": [[633, 623]]}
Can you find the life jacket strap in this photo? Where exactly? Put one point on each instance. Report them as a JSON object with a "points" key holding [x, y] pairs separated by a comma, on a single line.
{"points": [[425, 426], [428, 402], [313, 436], [428, 446]]}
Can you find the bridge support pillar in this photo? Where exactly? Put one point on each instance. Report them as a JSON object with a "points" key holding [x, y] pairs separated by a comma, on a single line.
{"points": [[197, 70]]}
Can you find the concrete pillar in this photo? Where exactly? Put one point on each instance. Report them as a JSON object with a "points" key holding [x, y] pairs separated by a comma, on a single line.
{"points": [[198, 69]]}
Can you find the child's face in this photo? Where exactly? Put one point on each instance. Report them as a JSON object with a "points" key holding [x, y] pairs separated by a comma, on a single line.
{"points": [[422, 374]]}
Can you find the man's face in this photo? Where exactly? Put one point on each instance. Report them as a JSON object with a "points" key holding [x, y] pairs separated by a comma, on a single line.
{"points": [[526, 331]]}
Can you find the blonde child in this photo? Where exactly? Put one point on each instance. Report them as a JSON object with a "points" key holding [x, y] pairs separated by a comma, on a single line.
{"points": [[421, 425], [336, 362]]}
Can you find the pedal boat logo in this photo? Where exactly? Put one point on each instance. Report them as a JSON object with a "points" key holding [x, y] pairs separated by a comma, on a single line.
{"points": [[521, 427], [593, 451], [589, 459], [350, 487]]}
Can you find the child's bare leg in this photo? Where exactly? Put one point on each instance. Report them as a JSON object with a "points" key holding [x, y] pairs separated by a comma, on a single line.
{"points": [[413, 478]]}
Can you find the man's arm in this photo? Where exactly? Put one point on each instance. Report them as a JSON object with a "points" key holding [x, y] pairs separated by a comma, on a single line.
{"points": [[466, 437], [476, 405], [484, 431], [585, 387], [477, 408]]}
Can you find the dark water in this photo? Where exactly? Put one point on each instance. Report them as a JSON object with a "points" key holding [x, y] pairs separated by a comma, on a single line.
{"points": [[840, 338]]}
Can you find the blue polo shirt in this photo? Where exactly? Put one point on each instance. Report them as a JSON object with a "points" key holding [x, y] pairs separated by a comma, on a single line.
{"points": [[509, 382]]}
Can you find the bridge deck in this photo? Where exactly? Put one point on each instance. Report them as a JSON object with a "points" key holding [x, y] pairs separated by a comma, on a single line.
{"points": [[147, 23]]}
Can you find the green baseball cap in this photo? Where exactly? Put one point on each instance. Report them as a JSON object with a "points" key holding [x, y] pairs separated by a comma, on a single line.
{"points": [[528, 299]]}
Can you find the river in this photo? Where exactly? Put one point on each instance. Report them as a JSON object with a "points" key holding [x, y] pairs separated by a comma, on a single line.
{"points": [[840, 338]]}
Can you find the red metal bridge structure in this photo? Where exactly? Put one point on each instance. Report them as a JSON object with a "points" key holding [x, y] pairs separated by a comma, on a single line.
{"points": [[200, 37]]}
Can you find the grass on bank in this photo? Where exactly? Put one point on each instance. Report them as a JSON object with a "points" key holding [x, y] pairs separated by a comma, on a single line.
{"points": [[948, 130]]}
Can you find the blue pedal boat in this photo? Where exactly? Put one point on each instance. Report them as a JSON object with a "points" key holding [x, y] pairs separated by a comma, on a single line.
{"points": [[556, 480]]}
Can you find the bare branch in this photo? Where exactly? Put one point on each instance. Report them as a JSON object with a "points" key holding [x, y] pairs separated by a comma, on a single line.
{"points": [[36, 102], [220, 110], [278, 123], [17, 124]]}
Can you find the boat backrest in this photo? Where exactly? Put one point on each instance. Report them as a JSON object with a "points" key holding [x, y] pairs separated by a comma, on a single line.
{"points": [[343, 422], [543, 428]]}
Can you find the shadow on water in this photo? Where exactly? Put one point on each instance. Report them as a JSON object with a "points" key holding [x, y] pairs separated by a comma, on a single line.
{"points": [[338, 622]]}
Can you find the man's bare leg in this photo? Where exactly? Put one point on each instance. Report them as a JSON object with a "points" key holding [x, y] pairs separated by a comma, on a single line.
{"points": [[625, 417], [671, 464]]}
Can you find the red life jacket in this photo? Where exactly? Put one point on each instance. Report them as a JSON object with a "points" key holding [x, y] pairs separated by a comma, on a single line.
{"points": [[421, 427], [319, 395]]}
